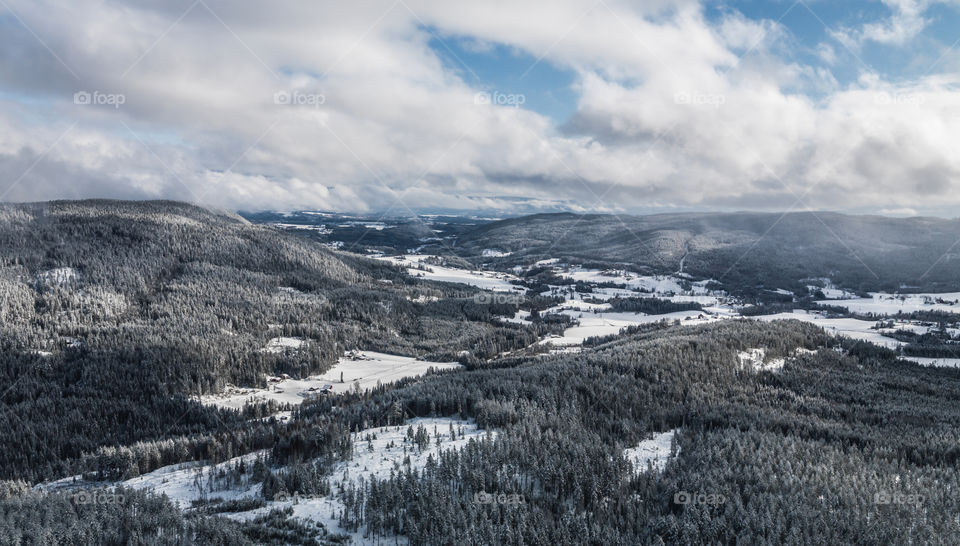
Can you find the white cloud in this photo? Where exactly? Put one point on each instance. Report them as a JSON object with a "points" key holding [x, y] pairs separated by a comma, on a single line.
{"points": [[827, 53], [673, 110], [906, 21], [899, 212]]}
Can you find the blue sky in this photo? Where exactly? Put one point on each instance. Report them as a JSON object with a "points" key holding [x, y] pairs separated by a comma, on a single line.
{"points": [[551, 89]]}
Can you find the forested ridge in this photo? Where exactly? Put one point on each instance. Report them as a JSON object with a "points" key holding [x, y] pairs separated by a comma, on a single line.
{"points": [[803, 455], [115, 312], [743, 251], [103, 346], [800, 456]]}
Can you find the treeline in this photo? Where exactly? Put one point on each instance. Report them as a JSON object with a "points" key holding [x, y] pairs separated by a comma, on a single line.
{"points": [[652, 306], [935, 343], [129, 516]]}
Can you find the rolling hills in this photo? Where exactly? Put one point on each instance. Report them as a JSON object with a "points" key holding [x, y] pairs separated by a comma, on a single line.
{"points": [[114, 314], [696, 424], [743, 251]]}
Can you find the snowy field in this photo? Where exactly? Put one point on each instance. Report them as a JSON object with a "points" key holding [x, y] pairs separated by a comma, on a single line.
{"points": [[193, 481], [604, 324], [830, 290], [596, 319], [852, 328], [651, 454], [938, 362], [320, 229], [660, 284], [606, 294], [863, 330], [366, 369], [183, 483], [890, 304], [487, 280]]}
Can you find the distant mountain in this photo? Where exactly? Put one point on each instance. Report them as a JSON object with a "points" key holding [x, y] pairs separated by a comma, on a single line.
{"points": [[741, 250]]}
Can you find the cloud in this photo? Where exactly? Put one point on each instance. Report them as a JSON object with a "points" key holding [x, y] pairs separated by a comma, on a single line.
{"points": [[906, 21], [827, 53], [899, 212], [360, 106]]}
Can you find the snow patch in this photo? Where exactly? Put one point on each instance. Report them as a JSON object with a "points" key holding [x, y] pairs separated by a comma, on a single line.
{"points": [[321, 229], [652, 453], [58, 276], [658, 284], [521, 317], [282, 344], [605, 324], [488, 280], [188, 482], [365, 370], [830, 290], [755, 359]]}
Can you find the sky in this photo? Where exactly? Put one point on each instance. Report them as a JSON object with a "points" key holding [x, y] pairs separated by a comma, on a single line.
{"points": [[408, 106]]}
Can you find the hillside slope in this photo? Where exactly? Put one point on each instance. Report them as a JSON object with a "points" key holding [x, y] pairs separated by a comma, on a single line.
{"points": [[113, 313], [743, 250]]}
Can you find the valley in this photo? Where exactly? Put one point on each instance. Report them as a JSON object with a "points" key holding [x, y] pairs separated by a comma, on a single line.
{"points": [[435, 273], [257, 380]]}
